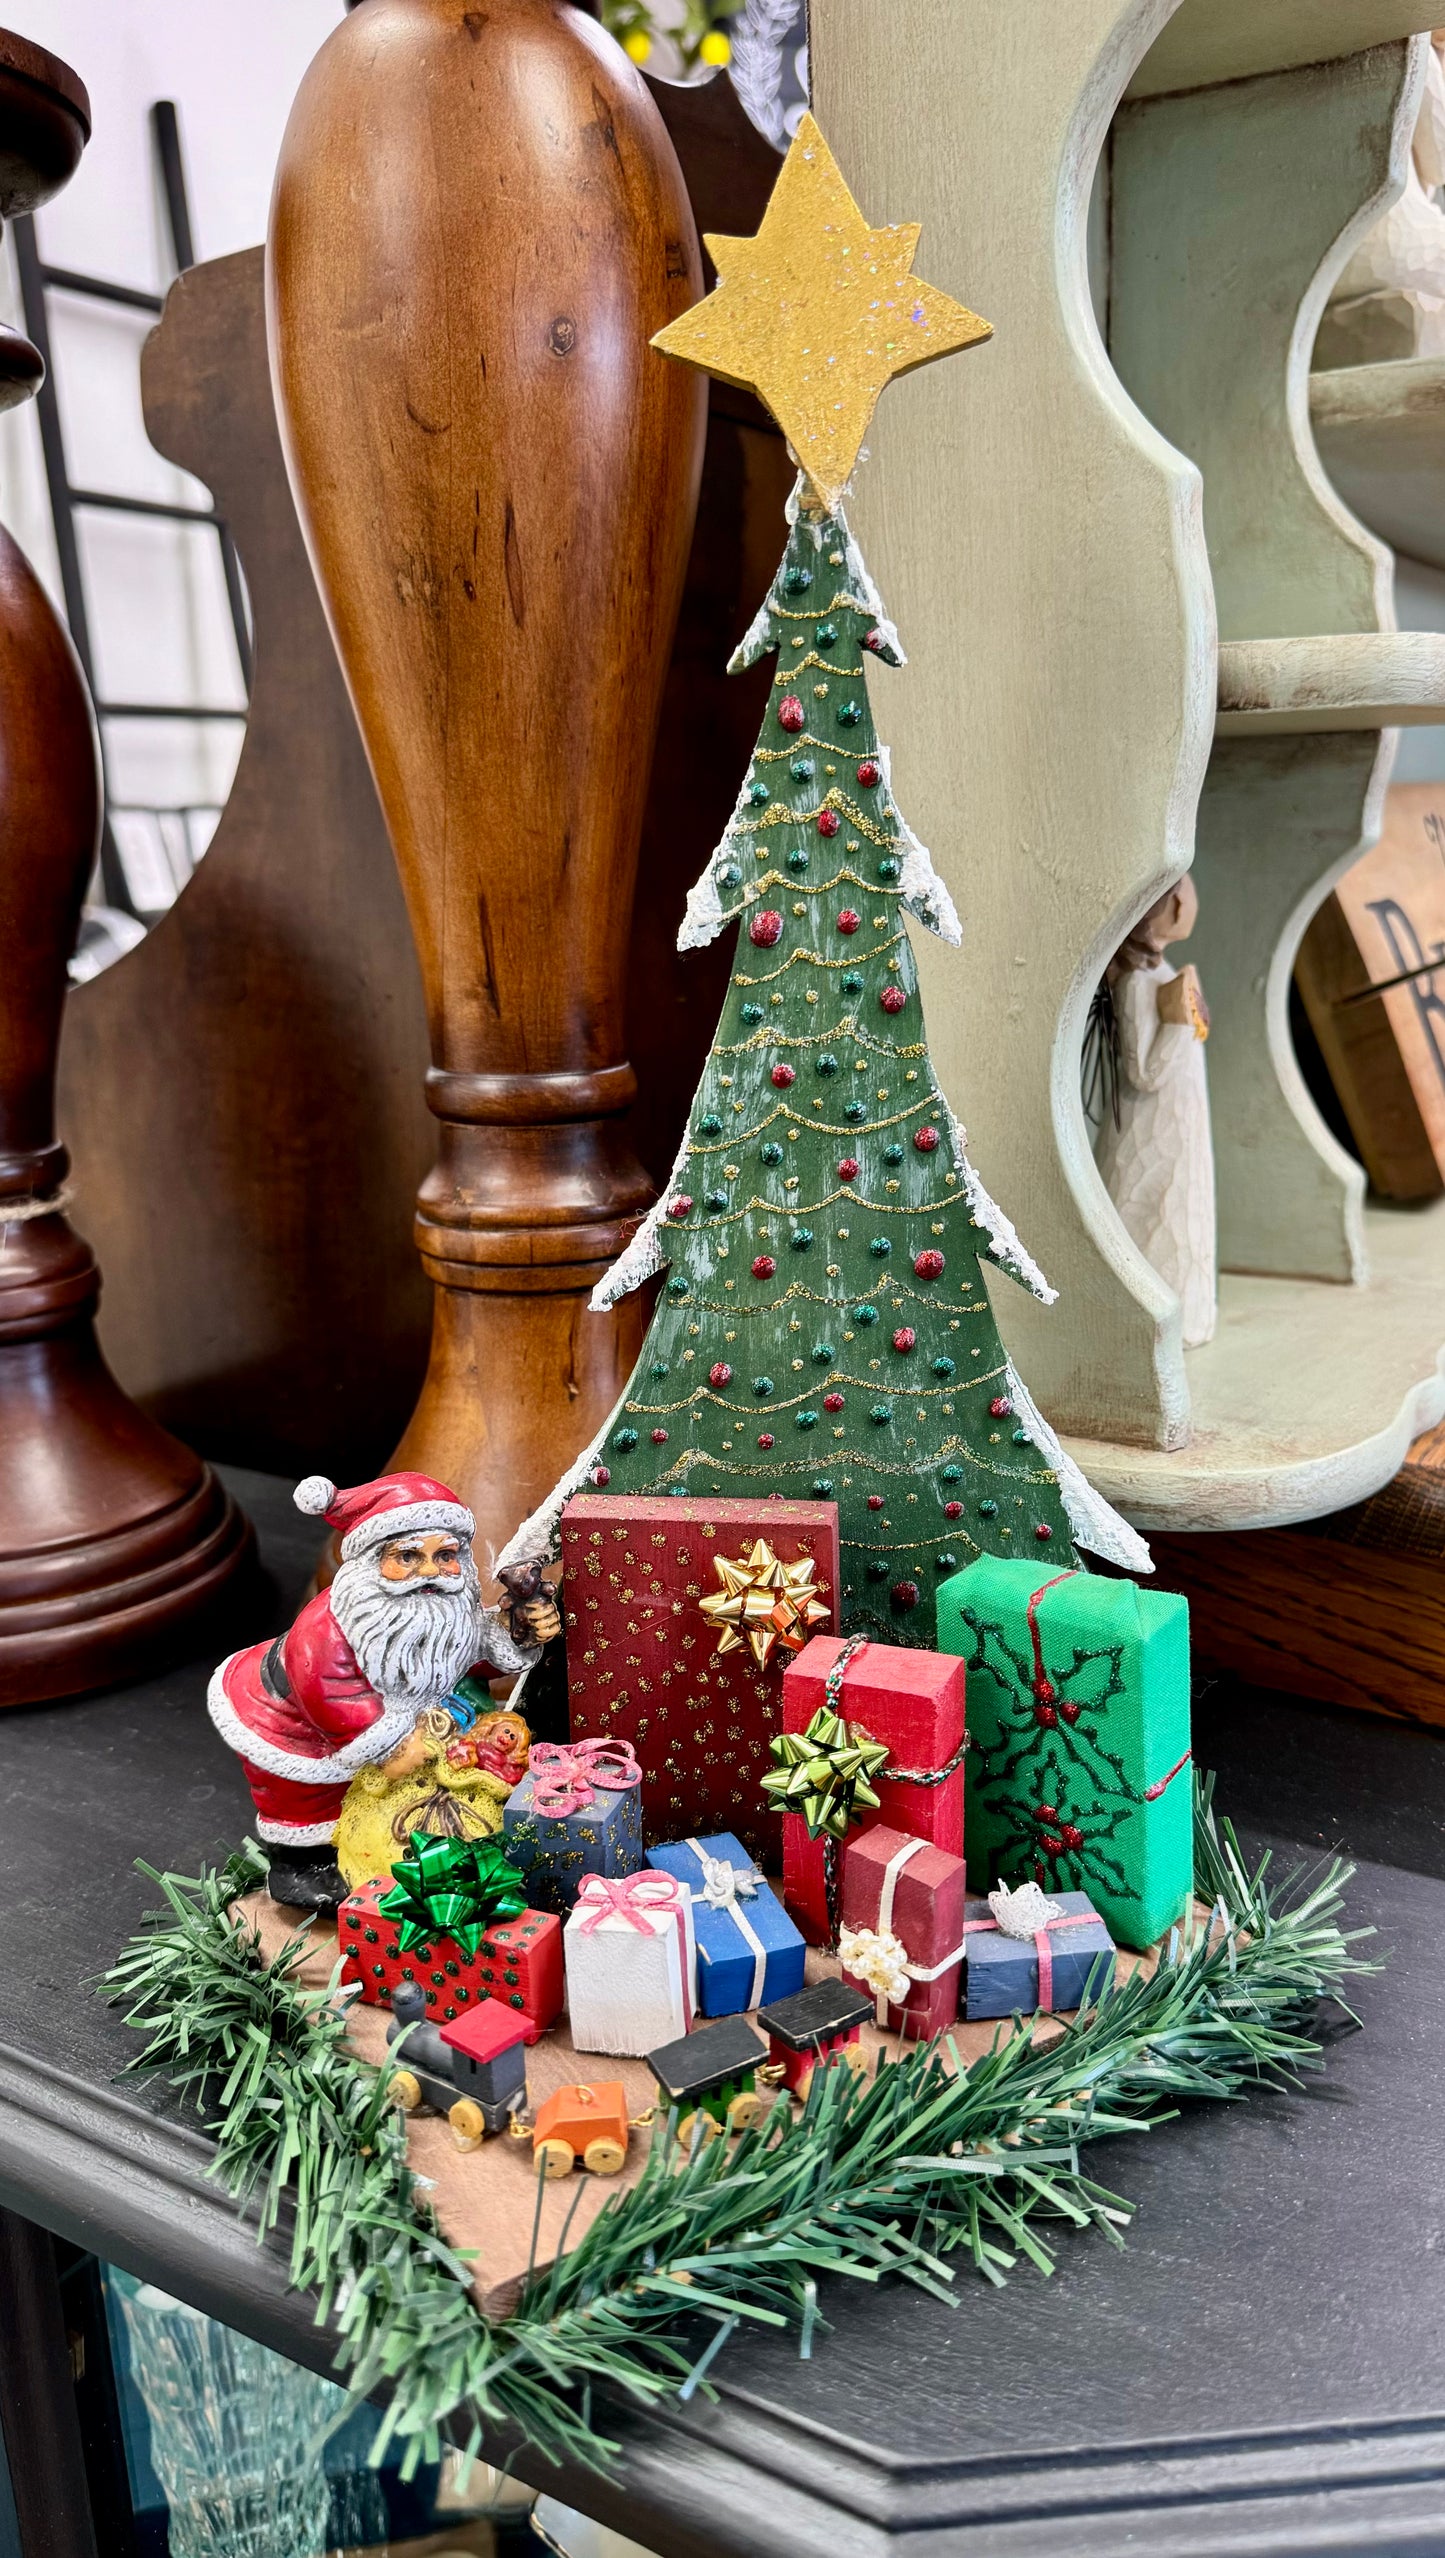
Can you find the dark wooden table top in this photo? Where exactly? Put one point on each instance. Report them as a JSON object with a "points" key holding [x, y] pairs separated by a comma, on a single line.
{"points": [[1260, 2369]]}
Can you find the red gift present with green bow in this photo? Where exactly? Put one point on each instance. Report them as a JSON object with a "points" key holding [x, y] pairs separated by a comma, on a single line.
{"points": [[454, 1919]]}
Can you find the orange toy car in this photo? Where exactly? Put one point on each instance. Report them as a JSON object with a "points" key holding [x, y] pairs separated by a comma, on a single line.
{"points": [[582, 2127]]}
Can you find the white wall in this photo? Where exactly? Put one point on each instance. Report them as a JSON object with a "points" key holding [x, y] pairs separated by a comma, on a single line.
{"points": [[159, 622]]}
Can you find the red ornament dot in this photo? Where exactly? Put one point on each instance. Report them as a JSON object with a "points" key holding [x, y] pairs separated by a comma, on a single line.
{"points": [[765, 1438], [783, 1076], [766, 928], [893, 999], [764, 1266], [928, 1265], [848, 1168], [791, 713], [868, 773], [875, 1500], [953, 1509], [828, 821], [1051, 1843], [873, 639], [905, 1338], [1000, 1407], [659, 1438], [1071, 1836], [848, 922], [925, 1139], [1043, 1532], [1045, 1715], [1069, 1709], [678, 1208], [832, 1403], [1047, 1813], [905, 1594], [601, 1475], [720, 1375], [1045, 1691]]}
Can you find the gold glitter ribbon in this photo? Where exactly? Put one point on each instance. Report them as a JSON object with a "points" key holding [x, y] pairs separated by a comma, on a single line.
{"points": [[763, 1602]]}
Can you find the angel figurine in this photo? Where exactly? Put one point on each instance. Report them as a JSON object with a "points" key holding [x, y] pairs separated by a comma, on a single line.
{"points": [[1154, 1148]]}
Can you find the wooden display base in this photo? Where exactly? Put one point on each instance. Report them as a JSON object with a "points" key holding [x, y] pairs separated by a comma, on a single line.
{"points": [[1349, 1610], [486, 2199]]}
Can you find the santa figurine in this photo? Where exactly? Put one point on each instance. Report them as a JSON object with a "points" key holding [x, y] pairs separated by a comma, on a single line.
{"points": [[402, 1622]]}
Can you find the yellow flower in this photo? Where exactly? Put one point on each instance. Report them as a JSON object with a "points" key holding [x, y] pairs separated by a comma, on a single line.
{"points": [[715, 50], [638, 44]]}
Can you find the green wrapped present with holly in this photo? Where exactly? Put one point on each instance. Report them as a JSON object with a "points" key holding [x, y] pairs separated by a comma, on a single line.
{"points": [[1078, 1724]]}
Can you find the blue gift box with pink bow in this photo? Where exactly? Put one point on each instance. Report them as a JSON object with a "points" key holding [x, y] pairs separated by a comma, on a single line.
{"points": [[1025, 1953], [748, 1949], [577, 1811]]}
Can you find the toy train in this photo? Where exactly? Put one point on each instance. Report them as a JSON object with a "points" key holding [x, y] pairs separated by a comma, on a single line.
{"points": [[714, 2075], [474, 2071]]}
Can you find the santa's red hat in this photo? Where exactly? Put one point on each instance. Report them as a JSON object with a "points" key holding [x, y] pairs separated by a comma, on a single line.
{"points": [[395, 1505]]}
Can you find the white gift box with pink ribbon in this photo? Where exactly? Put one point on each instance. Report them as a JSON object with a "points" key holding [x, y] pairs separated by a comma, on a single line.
{"points": [[631, 1963]]}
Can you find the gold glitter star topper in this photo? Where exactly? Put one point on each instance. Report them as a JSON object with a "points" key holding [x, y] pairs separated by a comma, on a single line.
{"points": [[818, 313]]}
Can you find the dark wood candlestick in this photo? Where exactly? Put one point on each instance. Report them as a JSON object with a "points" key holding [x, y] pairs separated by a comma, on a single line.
{"points": [[113, 1537], [477, 225]]}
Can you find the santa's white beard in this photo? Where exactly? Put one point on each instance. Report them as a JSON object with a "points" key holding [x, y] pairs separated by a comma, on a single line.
{"points": [[412, 1640]]}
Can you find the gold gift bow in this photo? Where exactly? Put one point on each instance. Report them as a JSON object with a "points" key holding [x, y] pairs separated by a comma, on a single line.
{"points": [[763, 1602]]}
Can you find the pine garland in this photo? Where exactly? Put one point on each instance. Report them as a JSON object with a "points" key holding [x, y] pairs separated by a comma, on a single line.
{"points": [[893, 2176]]}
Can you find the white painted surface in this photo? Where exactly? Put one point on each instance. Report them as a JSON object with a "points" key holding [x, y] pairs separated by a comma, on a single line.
{"points": [[1309, 1394]]}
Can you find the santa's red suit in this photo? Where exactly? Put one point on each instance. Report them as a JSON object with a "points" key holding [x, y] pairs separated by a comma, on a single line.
{"points": [[299, 1711]]}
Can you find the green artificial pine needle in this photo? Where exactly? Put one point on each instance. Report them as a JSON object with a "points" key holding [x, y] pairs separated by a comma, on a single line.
{"points": [[889, 2177]]}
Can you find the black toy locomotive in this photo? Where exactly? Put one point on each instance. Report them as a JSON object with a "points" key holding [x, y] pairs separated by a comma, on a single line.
{"points": [[474, 2071]]}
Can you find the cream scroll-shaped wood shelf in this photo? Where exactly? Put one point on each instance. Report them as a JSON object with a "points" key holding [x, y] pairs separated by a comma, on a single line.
{"points": [[1143, 630]]}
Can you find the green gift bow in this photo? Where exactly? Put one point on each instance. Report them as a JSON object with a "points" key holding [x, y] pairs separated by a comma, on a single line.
{"points": [[452, 1887], [824, 1774]]}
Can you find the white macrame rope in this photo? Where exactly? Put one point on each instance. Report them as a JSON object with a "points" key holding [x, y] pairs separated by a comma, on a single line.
{"points": [[18, 1212]]}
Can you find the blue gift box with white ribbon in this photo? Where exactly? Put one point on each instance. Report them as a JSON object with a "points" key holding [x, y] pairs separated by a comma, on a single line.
{"points": [[748, 1949]]}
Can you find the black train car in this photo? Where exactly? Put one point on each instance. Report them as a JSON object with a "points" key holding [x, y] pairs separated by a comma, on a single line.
{"points": [[817, 2024], [712, 2073], [474, 2071]]}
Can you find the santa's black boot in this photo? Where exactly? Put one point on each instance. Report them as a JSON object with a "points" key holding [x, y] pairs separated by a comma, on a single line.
{"points": [[307, 1878]]}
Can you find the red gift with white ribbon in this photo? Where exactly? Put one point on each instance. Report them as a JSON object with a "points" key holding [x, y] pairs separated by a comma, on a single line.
{"points": [[901, 1939]]}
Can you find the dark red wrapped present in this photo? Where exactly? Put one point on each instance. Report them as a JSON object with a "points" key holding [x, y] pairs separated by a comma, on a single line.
{"points": [[902, 1934], [518, 1963], [912, 1701], [680, 1617]]}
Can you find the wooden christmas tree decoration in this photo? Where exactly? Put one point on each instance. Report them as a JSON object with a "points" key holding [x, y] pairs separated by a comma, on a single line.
{"points": [[478, 223], [113, 1537], [824, 1330]]}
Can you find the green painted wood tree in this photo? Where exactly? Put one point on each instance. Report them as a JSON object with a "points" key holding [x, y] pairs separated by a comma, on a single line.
{"points": [[824, 1330]]}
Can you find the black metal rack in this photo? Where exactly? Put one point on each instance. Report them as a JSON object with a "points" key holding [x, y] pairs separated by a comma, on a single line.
{"points": [[38, 281]]}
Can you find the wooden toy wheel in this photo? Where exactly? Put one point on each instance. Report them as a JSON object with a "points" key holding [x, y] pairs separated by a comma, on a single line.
{"points": [[556, 2157], [405, 2090], [604, 2157], [712, 2129], [856, 2058], [469, 2128], [744, 2110]]}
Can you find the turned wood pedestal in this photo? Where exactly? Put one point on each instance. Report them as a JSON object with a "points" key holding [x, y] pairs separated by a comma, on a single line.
{"points": [[113, 1537], [477, 225]]}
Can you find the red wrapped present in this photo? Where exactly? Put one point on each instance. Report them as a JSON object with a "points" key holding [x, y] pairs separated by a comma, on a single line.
{"points": [[912, 1702], [902, 1934], [680, 1617], [518, 1962]]}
